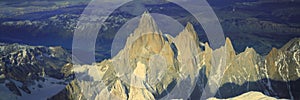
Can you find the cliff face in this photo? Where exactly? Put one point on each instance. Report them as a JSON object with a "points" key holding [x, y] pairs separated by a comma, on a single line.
{"points": [[283, 64], [276, 74], [153, 66]]}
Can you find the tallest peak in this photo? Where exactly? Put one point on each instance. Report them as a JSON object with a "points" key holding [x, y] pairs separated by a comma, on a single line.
{"points": [[189, 27], [147, 23], [146, 12], [146, 16]]}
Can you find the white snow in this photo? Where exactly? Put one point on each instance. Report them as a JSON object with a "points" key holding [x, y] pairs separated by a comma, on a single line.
{"points": [[6, 94], [49, 88]]}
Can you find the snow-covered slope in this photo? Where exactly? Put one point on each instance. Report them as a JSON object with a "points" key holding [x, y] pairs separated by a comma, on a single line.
{"points": [[253, 95], [32, 71]]}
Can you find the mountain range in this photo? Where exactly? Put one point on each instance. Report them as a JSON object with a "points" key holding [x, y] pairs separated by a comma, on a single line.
{"points": [[259, 59], [153, 65]]}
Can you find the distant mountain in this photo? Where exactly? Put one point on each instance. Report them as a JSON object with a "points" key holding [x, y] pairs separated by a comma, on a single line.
{"points": [[260, 24], [153, 65], [33, 71]]}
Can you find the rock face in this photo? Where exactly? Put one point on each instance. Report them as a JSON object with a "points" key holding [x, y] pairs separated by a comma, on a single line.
{"points": [[23, 67], [275, 74], [156, 66], [283, 64]]}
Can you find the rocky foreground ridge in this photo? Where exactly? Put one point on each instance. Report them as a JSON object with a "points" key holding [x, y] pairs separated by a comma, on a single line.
{"points": [[27, 71], [153, 65]]}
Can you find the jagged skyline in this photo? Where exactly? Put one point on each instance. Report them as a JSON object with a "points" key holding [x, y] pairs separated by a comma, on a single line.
{"points": [[132, 69]]}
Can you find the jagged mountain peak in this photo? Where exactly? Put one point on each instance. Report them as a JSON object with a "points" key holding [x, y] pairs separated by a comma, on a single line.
{"points": [[146, 33], [189, 30], [274, 50], [229, 49], [281, 61], [249, 50], [228, 44], [147, 24], [150, 62], [292, 45], [188, 34]]}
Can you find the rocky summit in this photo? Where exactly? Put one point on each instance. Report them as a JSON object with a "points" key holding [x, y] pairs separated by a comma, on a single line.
{"points": [[153, 65]]}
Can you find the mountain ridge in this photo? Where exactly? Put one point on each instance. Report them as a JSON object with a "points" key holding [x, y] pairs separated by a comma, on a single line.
{"points": [[25, 69], [180, 60]]}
